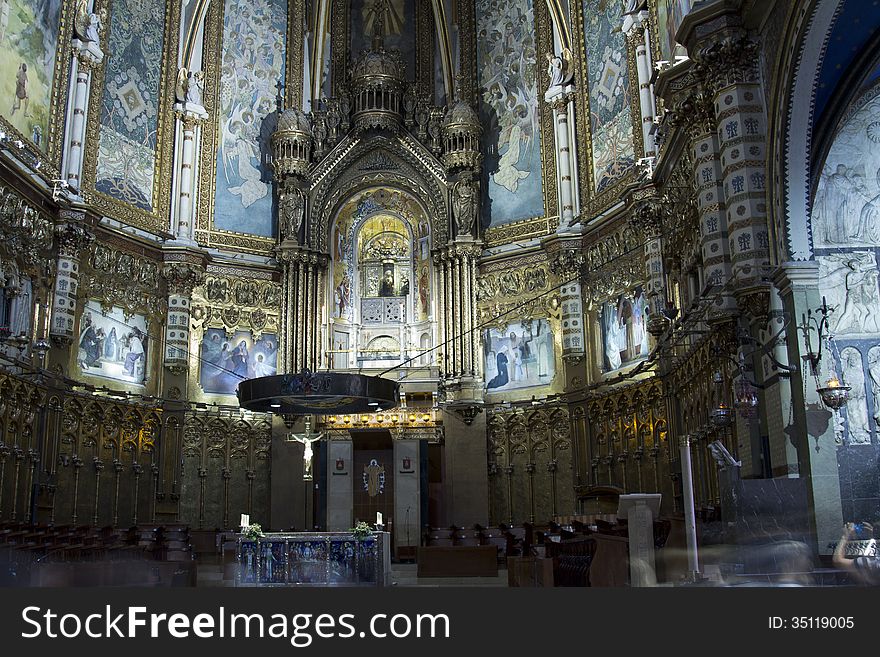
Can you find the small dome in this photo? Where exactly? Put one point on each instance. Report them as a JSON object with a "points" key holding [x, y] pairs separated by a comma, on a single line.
{"points": [[293, 120], [462, 114], [379, 63]]}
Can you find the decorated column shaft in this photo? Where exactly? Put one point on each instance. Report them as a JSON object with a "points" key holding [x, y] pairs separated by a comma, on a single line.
{"points": [[636, 29], [71, 237], [183, 274], [189, 123], [458, 262], [87, 56], [302, 294], [692, 111], [561, 104], [729, 66]]}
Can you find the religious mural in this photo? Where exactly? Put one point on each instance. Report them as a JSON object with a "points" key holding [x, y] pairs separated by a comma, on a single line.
{"points": [[608, 80], [112, 345], [28, 38], [623, 323], [846, 209], [126, 165], [520, 356], [398, 27], [506, 61], [252, 72], [226, 362], [669, 16]]}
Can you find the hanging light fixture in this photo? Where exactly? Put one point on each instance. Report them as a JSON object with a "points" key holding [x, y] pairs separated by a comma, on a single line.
{"points": [[834, 394], [322, 393], [746, 398], [722, 414]]}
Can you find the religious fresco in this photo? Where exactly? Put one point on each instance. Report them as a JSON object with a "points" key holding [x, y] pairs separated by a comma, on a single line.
{"points": [[252, 68], [386, 207], [669, 16], [111, 345], [226, 362], [28, 36], [520, 356], [623, 322], [611, 124], [126, 165], [846, 208], [507, 59], [399, 32]]}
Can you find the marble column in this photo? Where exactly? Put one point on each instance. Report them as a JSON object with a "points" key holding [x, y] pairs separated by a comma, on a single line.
{"points": [[190, 123], [636, 29], [812, 427], [560, 100], [87, 57], [71, 239]]}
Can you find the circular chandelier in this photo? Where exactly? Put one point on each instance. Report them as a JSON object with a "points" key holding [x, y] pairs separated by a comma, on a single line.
{"points": [[323, 393]]}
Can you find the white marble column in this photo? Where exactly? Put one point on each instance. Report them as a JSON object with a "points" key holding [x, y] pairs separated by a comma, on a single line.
{"points": [[560, 99], [190, 119], [635, 27], [87, 57]]}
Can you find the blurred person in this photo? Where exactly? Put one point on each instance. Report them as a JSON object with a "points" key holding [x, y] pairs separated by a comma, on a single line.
{"points": [[865, 568]]}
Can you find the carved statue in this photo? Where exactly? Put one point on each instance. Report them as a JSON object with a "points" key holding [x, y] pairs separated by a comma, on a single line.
{"points": [[560, 69], [464, 206], [195, 87], [86, 24], [292, 210]]}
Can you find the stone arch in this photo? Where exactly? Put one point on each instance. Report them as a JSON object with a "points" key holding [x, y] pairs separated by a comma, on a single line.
{"points": [[376, 162]]}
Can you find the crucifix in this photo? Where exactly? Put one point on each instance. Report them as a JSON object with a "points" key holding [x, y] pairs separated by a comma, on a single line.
{"points": [[306, 438]]}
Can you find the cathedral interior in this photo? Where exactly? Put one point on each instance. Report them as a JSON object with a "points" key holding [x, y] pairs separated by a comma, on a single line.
{"points": [[600, 248]]}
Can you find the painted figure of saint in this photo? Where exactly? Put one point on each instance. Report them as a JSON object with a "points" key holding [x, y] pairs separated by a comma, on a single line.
{"points": [[21, 89], [135, 352]]}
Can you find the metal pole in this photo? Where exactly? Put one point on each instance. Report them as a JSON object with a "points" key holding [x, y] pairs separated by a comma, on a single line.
{"points": [[687, 491]]}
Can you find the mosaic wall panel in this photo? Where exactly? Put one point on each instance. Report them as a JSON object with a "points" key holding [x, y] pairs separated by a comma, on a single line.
{"points": [[252, 73], [506, 59], [126, 165], [611, 124]]}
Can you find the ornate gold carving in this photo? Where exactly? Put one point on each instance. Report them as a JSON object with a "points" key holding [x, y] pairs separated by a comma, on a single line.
{"points": [[182, 277], [119, 278], [28, 236]]}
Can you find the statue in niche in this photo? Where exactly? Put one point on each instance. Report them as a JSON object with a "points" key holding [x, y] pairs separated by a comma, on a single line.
{"points": [[857, 407], [464, 205], [292, 211], [195, 87], [559, 69], [386, 288], [874, 372]]}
